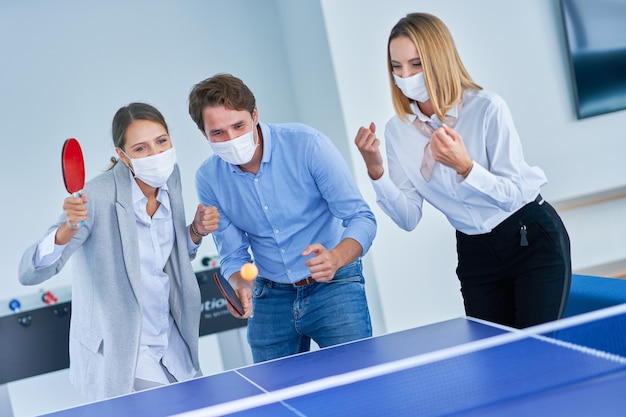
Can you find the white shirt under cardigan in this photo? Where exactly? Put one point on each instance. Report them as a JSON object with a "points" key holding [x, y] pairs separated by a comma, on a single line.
{"points": [[161, 340], [500, 183]]}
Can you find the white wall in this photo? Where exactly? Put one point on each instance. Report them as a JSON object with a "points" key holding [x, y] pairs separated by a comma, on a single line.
{"points": [[70, 65], [67, 66]]}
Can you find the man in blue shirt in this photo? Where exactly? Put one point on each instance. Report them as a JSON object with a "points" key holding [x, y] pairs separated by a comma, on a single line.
{"points": [[286, 196]]}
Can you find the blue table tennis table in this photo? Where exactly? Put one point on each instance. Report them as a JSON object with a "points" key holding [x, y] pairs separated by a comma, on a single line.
{"points": [[461, 367]]}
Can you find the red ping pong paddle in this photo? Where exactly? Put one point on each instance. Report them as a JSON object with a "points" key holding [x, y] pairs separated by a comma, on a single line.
{"points": [[73, 166], [229, 293]]}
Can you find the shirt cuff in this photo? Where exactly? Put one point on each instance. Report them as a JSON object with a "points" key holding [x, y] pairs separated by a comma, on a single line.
{"points": [[479, 178], [47, 251], [385, 188], [191, 245]]}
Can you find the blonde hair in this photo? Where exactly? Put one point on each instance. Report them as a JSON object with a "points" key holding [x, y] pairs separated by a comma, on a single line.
{"points": [[444, 73]]}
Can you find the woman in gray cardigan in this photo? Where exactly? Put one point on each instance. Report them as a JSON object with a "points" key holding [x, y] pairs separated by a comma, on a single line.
{"points": [[135, 299]]}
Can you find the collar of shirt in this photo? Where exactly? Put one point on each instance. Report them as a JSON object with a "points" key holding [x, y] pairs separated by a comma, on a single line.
{"points": [[140, 200], [417, 113]]}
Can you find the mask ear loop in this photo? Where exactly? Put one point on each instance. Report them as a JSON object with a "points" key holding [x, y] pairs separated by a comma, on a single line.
{"points": [[255, 135], [129, 163], [255, 127], [255, 115]]}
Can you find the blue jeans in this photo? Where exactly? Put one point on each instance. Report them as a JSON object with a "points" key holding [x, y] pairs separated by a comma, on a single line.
{"points": [[286, 318]]}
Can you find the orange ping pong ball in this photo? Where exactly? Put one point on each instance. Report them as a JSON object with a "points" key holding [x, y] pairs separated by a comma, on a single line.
{"points": [[249, 271]]}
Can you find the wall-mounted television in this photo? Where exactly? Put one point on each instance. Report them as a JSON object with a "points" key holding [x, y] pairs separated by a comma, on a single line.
{"points": [[596, 39]]}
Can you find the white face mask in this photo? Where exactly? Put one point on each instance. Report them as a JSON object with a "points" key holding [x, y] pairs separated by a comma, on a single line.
{"points": [[154, 170], [238, 151], [414, 87]]}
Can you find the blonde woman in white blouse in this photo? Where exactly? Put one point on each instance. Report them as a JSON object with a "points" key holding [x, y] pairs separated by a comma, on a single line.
{"points": [[455, 145]]}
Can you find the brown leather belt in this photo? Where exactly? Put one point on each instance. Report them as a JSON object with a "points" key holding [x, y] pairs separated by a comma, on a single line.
{"points": [[303, 282]]}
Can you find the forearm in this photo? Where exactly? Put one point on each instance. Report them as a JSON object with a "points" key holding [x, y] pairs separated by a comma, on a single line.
{"points": [[346, 251], [64, 233]]}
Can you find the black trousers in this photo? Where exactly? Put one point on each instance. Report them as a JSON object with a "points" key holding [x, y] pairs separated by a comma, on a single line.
{"points": [[520, 273]]}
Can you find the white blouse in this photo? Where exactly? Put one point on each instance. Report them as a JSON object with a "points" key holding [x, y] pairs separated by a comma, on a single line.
{"points": [[500, 183]]}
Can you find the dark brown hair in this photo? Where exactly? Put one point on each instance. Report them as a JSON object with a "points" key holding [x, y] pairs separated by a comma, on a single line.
{"points": [[125, 116], [220, 90]]}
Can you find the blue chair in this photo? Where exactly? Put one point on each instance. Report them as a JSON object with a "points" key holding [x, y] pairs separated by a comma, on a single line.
{"points": [[589, 293]]}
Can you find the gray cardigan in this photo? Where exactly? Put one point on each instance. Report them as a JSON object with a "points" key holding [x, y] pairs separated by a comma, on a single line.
{"points": [[106, 286]]}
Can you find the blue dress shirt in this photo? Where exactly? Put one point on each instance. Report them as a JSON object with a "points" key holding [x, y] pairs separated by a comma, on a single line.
{"points": [[302, 194]]}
